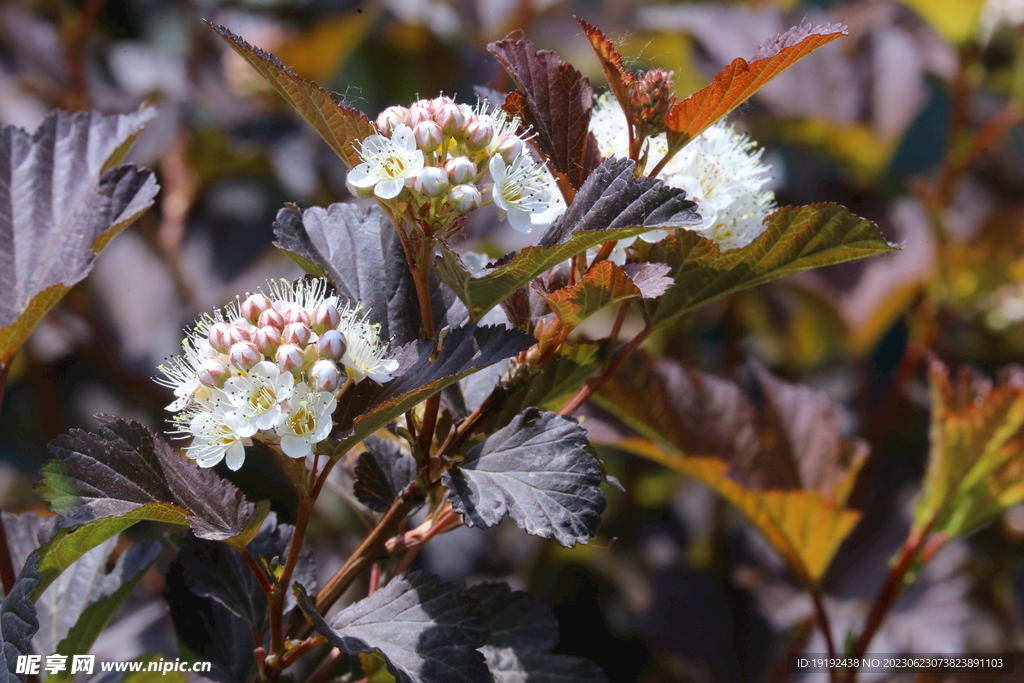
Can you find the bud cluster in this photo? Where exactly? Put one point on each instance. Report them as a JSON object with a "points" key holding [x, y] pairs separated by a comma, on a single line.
{"points": [[651, 98], [436, 156], [271, 364]]}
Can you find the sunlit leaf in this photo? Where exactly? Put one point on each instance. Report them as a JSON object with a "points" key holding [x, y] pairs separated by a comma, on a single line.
{"points": [[741, 79], [976, 460], [427, 630], [619, 80], [555, 100], [538, 471], [613, 204], [605, 284], [126, 471], [340, 125], [803, 526], [63, 197], [795, 239]]}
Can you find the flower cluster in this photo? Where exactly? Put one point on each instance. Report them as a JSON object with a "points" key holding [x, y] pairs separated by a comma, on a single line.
{"points": [[720, 170], [436, 155], [274, 365]]}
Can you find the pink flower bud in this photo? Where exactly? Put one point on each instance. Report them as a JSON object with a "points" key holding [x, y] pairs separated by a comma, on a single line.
{"points": [[213, 373], [417, 115], [509, 147], [244, 355], [236, 334], [389, 118], [289, 358], [465, 198], [479, 133], [438, 102], [331, 344], [460, 170], [271, 318], [324, 376], [297, 333], [450, 118], [296, 314], [325, 317], [267, 339], [218, 337], [430, 181], [254, 306], [427, 135]]}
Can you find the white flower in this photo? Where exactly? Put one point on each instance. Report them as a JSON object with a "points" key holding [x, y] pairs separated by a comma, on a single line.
{"points": [[387, 162], [366, 355], [181, 373], [257, 394], [719, 169], [520, 190], [218, 435], [308, 421]]}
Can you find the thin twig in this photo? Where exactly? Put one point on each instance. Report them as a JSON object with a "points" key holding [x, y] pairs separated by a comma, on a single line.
{"points": [[826, 628], [597, 380], [323, 672], [7, 575]]}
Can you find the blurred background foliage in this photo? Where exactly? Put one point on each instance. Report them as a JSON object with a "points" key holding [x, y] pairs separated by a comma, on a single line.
{"points": [[913, 121]]}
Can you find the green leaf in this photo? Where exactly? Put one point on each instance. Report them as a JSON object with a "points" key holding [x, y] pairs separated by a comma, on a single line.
{"points": [[124, 471], [340, 125], [976, 460], [795, 239], [538, 471], [613, 204], [62, 199]]}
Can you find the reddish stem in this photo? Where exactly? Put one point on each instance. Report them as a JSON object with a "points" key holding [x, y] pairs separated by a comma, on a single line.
{"points": [[598, 380]]}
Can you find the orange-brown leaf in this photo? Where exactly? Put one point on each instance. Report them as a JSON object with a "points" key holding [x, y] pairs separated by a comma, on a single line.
{"points": [[741, 79], [619, 80], [606, 283]]}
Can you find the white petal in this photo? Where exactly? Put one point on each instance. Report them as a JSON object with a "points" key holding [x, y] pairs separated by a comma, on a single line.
{"points": [[235, 456], [402, 138], [497, 168], [519, 219], [358, 177], [295, 447], [654, 236], [389, 189]]}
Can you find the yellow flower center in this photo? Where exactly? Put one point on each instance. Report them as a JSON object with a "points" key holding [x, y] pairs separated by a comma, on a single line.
{"points": [[303, 421]]}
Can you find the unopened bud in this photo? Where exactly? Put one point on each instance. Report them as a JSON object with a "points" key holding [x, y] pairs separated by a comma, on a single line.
{"points": [[213, 373], [465, 198], [297, 333], [289, 358], [253, 307], [427, 135], [417, 115], [267, 339], [218, 336], [271, 318], [331, 344], [389, 118], [509, 147], [325, 317], [438, 102], [324, 376], [460, 170], [430, 181], [479, 133], [244, 355], [296, 314], [450, 118]]}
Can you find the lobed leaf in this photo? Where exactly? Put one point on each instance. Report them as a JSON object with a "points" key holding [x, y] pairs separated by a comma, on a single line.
{"points": [[340, 125], [423, 371], [613, 204], [805, 527], [360, 253], [126, 471], [382, 473], [555, 100], [427, 630], [63, 197], [538, 471], [604, 284], [795, 239], [741, 79], [976, 458], [508, 665], [18, 623]]}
